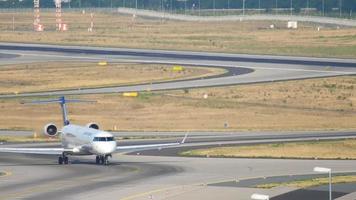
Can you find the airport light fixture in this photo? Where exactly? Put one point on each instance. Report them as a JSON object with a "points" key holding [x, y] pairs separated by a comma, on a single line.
{"points": [[259, 197], [325, 170]]}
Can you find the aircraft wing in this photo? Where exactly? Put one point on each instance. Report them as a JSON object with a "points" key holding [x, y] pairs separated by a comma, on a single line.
{"points": [[149, 146], [59, 151], [42, 151]]}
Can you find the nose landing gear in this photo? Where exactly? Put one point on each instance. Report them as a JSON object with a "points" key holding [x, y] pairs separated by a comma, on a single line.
{"points": [[63, 160], [102, 160]]}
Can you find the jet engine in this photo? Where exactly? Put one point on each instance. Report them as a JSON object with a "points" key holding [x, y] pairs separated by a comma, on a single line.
{"points": [[93, 125], [51, 130]]}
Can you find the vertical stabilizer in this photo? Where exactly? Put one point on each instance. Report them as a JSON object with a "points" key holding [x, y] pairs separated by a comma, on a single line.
{"points": [[64, 110], [62, 101]]}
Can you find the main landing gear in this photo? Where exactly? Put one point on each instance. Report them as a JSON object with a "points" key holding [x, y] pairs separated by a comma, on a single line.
{"points": [[102, 160], [63, 160]]}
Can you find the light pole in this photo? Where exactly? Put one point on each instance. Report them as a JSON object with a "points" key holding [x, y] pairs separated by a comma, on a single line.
{"points": [[259, 197], [243, 7], [228, 6], [323, 7], [13, 16], [276, 6], [199, 8], [291, 7], [340, 7], [161, 5], [214, 7], [259, 6], [185, 7], [325, 170]]}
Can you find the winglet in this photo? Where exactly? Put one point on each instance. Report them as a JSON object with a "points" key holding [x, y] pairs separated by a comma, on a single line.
{"points": [[184, 139]]}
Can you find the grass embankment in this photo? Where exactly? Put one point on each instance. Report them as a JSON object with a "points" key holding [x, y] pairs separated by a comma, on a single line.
{"points": [[253, 37], [343, 149], [27, 139], [311, 182], [75, 75], [315, 104]]}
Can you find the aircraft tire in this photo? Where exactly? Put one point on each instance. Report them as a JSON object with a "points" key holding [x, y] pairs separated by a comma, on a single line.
{"points": [[106, 160], [65, 160], [60, 160], [102, 160]]}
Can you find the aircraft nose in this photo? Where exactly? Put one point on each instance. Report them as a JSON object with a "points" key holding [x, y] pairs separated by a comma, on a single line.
{"points": [[105, 147]]}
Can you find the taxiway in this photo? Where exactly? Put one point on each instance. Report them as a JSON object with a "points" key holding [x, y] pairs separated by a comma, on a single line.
{"points": [[163, 177]]}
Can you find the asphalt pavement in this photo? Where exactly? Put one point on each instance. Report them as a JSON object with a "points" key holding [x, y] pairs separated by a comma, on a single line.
{"points": [[265, 68], [163, 177]]}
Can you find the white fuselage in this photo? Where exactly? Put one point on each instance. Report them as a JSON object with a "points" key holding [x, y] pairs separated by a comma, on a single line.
{"points": [[87, 141]]}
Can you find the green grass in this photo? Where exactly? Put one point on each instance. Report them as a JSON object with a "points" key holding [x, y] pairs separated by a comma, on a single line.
{"points": [[310, 182], [340, 149]]}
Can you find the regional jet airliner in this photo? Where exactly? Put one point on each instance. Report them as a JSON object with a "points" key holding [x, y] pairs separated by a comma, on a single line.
{"points": [[82, 140]]}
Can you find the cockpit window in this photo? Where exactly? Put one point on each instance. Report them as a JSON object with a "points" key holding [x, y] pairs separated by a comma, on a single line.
{"points": [[103, 139]]}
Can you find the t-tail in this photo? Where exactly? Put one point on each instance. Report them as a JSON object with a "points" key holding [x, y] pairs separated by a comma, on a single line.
{"points": [[62, 101]]}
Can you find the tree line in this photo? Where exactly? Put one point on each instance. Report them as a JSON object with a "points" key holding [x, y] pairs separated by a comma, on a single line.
{"points": [[347, 6]]}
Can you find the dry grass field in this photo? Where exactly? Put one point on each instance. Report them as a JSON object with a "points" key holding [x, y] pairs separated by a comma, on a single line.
{"points": [[29, 138], [235, 37], [72, 75], [315, 104], [343, 149], [336, 94]]}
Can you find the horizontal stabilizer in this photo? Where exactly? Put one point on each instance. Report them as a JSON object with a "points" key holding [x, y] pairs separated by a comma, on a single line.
{"points": [[61, 100]]}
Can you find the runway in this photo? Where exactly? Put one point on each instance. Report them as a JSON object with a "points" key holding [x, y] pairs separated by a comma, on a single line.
{"points": [[265, 68], [151, 175], [144, 177]]}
